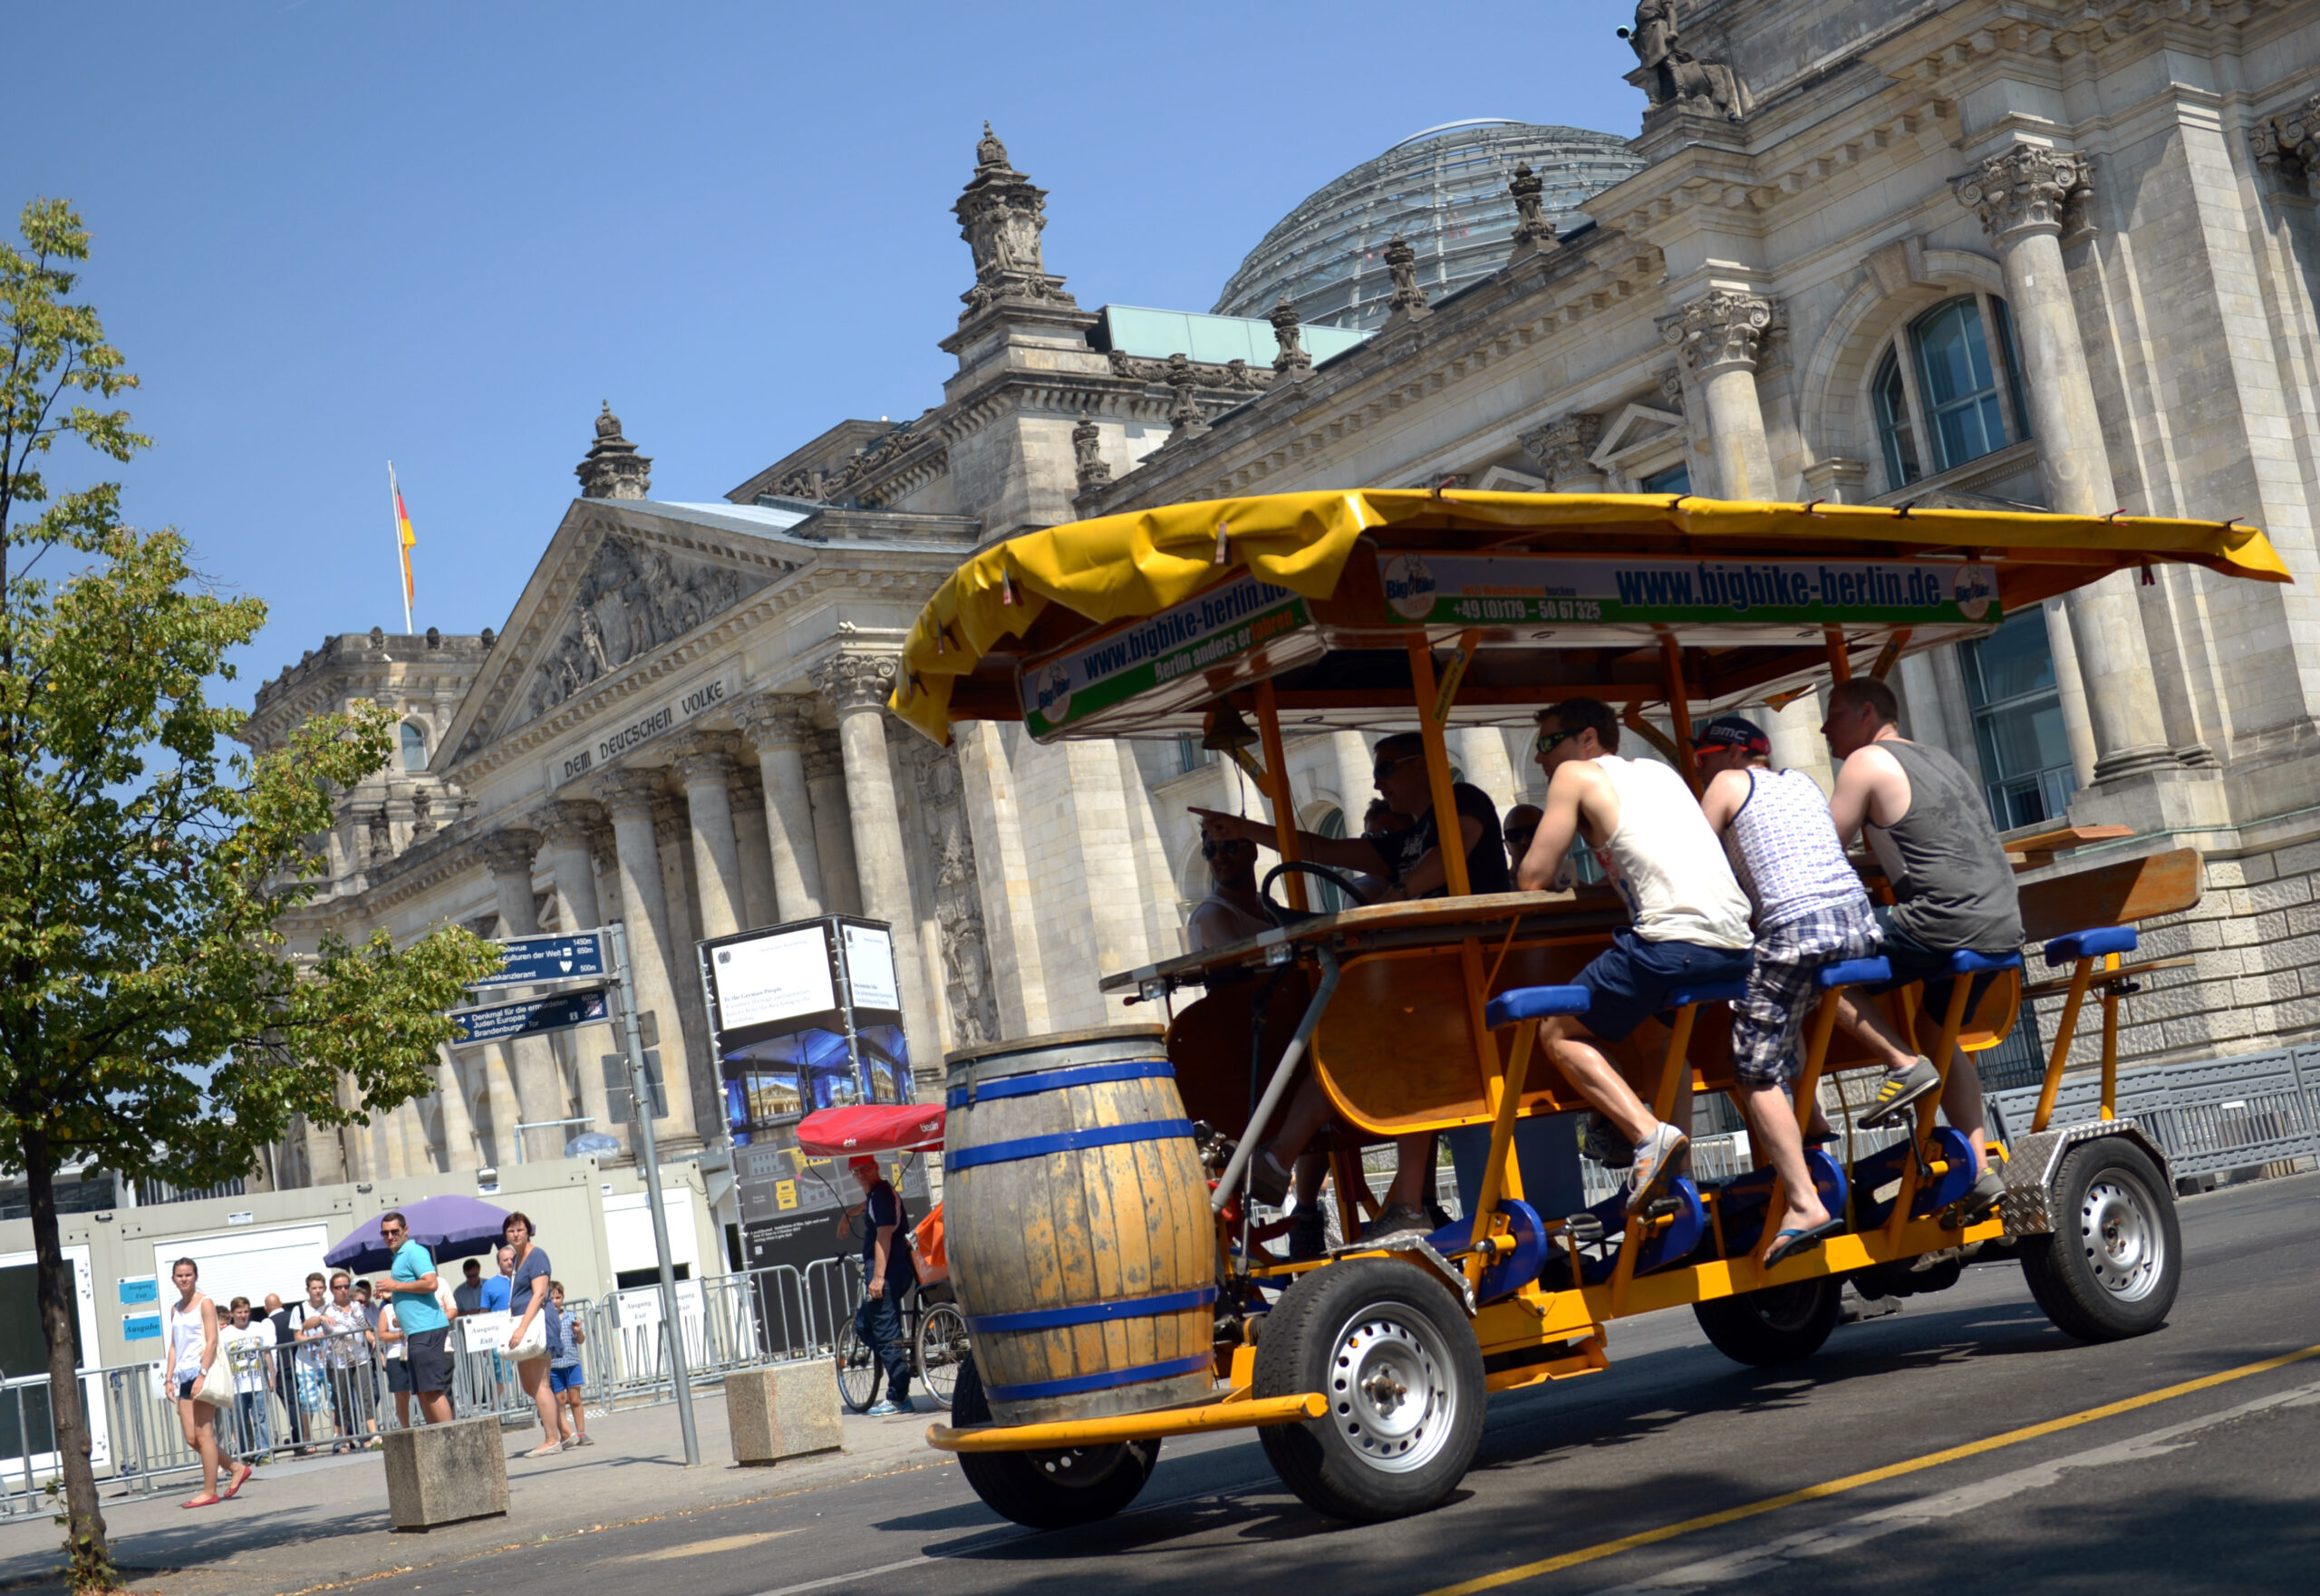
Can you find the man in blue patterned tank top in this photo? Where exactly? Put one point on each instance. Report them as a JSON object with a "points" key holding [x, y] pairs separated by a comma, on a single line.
{"points": [[1809, 911]]}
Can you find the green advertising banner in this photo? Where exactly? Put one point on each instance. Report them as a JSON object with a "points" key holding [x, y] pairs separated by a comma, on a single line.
{"points": [[1481, 590], [1229, 620]]}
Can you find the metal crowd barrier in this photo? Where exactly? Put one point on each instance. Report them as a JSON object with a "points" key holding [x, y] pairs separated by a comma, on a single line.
{"points": [[2212, 1116]]}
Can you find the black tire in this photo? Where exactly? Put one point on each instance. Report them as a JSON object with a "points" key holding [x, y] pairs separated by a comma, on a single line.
{"points": [[941, 1348], [1365, 1333], [859, 1368], [2110, 1267], [1048, 1489], [1780, 1324]]}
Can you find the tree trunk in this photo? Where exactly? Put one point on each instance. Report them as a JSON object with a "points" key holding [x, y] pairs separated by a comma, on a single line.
{"points": [[89, 1559]]}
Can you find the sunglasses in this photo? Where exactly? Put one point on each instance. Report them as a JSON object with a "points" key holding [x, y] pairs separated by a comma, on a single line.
{"points": [[1548, 740], [1521, 839], [1385, 768], [1211, 848]]}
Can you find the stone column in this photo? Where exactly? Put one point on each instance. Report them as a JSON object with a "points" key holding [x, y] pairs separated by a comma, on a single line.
{"points": [[459, 1125], [705, 765], [778, 725], [1356, 785], [856, 686], [749, 846], [1719, 336], [2020, 196], [1561, 448], [627, 796], [833, 831], [672, 829], [567, 827], [538, 1080], [1797, 742]]}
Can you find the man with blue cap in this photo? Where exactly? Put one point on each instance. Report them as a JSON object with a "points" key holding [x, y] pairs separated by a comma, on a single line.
{"points": [[1809, 911]]}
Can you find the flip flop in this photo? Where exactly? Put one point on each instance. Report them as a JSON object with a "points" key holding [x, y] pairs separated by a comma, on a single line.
{"points": [[1788, 1244]]}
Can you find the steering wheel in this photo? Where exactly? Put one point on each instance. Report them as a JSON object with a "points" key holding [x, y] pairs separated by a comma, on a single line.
{"points": [[1281, 913]]}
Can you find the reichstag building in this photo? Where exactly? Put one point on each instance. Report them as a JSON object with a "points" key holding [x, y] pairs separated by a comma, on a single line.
{"points": [[2049, 254]]}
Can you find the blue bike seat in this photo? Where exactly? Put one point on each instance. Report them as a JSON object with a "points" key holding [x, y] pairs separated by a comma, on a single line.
{"points": [[1535, 1003], [2091, 944], [1872, 971], [1965, 963]]}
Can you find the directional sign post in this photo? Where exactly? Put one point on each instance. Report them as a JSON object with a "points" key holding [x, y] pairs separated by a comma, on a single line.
{"points": [[499, 1022], [537, 961]]}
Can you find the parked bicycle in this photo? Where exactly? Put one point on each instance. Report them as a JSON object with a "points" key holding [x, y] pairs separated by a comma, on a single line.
{"points": [[933, 1328]]}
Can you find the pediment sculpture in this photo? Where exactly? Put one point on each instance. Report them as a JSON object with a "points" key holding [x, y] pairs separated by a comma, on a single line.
{"points": [[633, 600]]}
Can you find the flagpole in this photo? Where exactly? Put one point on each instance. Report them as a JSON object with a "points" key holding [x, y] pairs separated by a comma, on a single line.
{"points": [[394, 527]]}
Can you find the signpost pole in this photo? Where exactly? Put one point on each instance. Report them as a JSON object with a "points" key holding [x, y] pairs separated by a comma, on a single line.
{"points": [[639, 1097]]}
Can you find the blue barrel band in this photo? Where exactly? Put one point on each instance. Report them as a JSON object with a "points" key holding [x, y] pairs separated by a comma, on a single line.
{"points": [[1053, 1080], [1038, 1319], [1039, 1146], [1100, 1382]]}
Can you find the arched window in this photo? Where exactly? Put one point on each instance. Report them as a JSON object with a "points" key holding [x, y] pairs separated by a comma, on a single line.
{"points": [[1949, 389], [414, 747]]}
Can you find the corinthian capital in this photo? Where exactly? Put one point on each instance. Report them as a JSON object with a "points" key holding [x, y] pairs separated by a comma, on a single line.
{"points": [[1562, 446], [775, 719], [1723, 328], [568, 825], [628, 795], [857, 682], [507, 853], [706, 755], [2024, 189]]}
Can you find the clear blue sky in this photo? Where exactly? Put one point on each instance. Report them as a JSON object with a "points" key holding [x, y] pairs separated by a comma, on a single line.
{"points": [[326, 235]]}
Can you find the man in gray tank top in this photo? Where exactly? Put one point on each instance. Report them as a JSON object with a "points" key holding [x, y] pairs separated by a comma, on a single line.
{"points": [[1927, 821]]}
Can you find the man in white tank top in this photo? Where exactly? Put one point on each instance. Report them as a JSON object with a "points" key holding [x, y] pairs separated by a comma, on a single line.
{"points": [[1689, 918], [1811, 911]]}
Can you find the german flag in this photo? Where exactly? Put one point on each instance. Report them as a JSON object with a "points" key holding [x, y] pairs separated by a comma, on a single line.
{"points": [[405, 540]]}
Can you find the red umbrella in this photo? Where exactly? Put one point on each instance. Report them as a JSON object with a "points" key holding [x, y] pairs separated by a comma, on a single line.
{"points": [[872, 1128]]}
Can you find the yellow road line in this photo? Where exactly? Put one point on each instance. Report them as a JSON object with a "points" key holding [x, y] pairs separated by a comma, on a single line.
{"points": [[1531, 1571]]}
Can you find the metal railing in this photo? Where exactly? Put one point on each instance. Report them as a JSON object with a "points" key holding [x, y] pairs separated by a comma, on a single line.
{"points": [[2211, 1117]]}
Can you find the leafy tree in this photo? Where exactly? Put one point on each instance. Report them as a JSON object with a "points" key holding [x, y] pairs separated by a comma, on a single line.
{"points": [[153, 1019]]}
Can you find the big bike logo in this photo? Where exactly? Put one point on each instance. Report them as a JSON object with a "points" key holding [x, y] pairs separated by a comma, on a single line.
{"points": [[1410, 586]]}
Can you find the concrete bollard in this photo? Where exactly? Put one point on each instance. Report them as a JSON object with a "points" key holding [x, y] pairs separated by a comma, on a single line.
{"points": [[788, 1410], [440, 1474]]}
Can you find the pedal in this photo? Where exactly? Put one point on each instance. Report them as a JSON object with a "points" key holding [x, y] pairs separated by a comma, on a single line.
{"points": [[1663, 1208], [1584, 1229]]}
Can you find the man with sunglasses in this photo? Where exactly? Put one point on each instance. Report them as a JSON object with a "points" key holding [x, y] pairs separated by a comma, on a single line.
{"points": [[1688, 918], [1522, 824], [1410, 861], [412, 1286], [1233, 910]]}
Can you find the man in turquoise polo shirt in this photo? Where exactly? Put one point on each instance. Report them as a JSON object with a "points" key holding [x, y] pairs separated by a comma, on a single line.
{"points": [[412, 1285]]}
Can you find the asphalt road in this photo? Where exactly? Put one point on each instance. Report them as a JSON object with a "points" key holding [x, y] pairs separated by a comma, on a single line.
{"points": [[1596, 1484]]}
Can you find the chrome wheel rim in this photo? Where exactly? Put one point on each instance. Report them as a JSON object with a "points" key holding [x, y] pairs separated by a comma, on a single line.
{"points": [[2126, 1248], [1391, 1397]]}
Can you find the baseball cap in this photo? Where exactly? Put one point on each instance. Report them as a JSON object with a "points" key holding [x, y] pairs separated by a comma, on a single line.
{"points": [[862, 1161], [1732, 731]]}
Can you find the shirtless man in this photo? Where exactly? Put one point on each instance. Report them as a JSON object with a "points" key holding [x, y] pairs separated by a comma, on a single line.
{"points": [[1928, 823], [1689, 918], [1811, 911]]}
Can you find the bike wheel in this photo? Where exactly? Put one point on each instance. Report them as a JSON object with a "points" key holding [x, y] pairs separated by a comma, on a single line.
{"points": [[858, 1368], [941, 1348]]}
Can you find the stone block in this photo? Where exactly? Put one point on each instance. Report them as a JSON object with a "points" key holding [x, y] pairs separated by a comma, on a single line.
{"points": [[787, 1410], [442, 1473]]}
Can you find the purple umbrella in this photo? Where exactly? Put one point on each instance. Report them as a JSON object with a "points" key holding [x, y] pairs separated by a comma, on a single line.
{"points": [[449, 1227]]}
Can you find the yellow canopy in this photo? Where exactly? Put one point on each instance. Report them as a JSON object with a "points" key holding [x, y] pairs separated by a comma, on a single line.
{"points": [[1128, 567]]}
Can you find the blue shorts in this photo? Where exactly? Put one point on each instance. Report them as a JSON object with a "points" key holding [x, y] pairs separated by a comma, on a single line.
{"points": [[1630, 981], [564, 1380]]}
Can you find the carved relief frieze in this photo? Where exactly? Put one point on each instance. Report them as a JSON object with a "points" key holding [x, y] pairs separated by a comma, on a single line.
{"points": [[632, 600]]}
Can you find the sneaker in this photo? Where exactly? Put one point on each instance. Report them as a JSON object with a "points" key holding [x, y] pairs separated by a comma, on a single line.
{"points": [[1399, 1220], [1989, 1190], [890, 1408], [1658, 1157], [1309, 1235], [1901, 1090], [1603, 1142]]}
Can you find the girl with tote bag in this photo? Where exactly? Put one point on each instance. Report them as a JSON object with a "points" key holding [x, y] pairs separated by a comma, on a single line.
{"points": [[199, 1381]]}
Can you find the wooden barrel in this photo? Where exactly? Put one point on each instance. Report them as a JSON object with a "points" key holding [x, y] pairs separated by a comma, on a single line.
{"points": [[1076, 1216]]}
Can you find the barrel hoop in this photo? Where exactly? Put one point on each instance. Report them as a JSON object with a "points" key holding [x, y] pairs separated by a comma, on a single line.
{"points": [[1039, 1146], [1054, 1081], [1039, 1318], [1100, 1382]]}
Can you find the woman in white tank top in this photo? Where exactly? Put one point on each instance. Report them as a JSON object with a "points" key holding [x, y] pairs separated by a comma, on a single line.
{"points": [[189, 1338]]}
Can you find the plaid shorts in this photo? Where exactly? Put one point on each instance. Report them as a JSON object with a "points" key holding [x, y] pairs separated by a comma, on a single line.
{"points": [[1766, 1024]]}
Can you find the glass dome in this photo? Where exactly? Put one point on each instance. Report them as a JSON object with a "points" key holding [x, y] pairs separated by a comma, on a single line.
{"points": [[1444, 191]]}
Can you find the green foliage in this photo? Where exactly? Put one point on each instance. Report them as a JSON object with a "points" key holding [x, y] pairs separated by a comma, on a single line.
{"points": [[153, 1019]]}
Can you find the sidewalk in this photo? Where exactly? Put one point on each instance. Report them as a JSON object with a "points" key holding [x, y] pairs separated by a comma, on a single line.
{"points": [[323, 1521]]}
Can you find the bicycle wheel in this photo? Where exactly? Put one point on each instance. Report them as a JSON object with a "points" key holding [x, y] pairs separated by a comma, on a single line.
{"points": [[857, 1369], [941, 1348]]}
